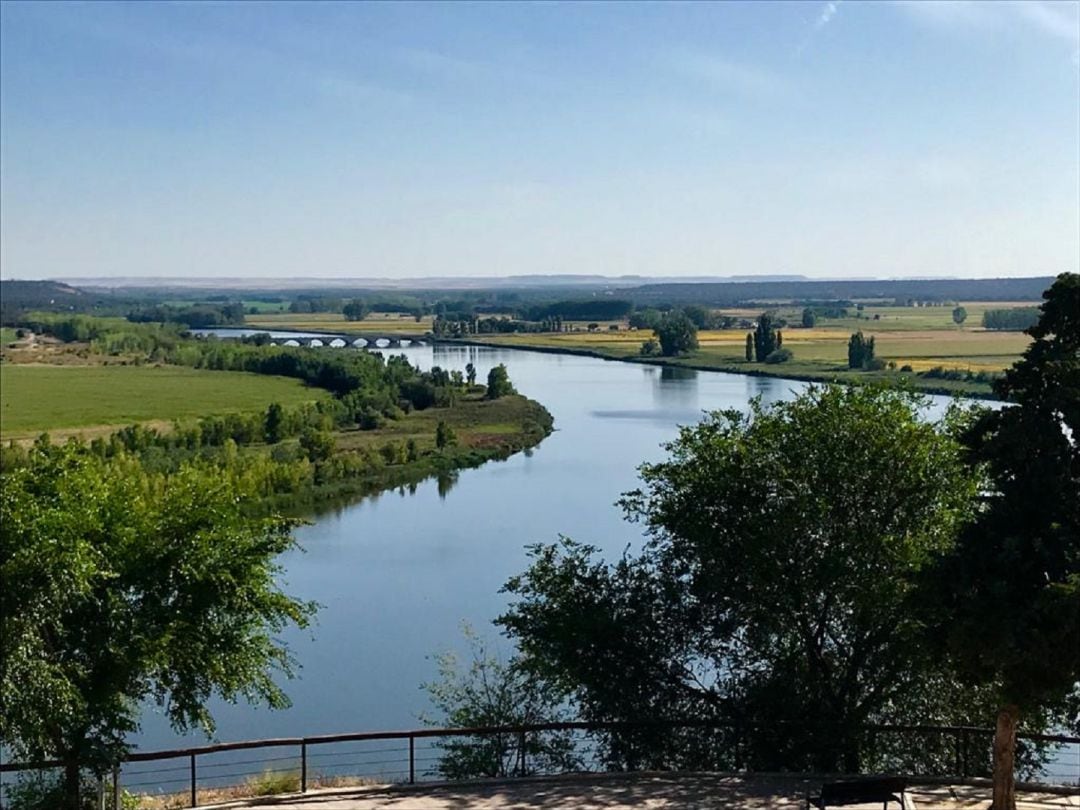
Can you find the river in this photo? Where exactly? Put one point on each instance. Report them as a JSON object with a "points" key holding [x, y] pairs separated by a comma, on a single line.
{"points": [[397, 574]]}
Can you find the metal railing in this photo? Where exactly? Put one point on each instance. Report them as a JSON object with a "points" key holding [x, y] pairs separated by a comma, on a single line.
{"points": [[957, 752]]}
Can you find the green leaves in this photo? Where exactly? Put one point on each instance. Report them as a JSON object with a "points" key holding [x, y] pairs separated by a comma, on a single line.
{"points": [[120, 585], [783, 549], [498, 383], [1008, 599], [677, 333], [487, 691]]}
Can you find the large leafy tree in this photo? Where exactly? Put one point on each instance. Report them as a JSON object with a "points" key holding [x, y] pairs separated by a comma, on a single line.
{"points": [[119, 586], [676, 333], [783, 548], [1008, 598], [498, 383]]}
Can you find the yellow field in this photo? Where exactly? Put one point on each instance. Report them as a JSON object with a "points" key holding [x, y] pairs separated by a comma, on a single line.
{"points": [[919, 337], [978, 350]]}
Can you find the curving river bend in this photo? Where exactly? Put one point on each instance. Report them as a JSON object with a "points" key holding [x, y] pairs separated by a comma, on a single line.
{"points": [[398, 573]]}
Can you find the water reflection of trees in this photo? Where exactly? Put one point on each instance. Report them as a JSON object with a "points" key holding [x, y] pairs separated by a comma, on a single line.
{"points": [[675, 387], [446, 482], [445, 354]]}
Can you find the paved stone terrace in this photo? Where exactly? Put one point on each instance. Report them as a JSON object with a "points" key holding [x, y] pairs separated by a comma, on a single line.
{"points": [[618, 791]]}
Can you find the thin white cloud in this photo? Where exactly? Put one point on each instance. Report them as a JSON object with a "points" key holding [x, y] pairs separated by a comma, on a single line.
{"points": [[239, 59], [1057, 20], [727, 76], [443, 64], [828, 11]]}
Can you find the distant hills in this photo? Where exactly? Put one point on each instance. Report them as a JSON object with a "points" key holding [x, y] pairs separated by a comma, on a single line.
{"points": [[426, 283], [115, 295], [937, 289], [533, 281], [23, 295]]}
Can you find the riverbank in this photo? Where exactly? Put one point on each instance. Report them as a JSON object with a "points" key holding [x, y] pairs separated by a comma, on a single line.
{"points": [[792, 370], [483, 430]]}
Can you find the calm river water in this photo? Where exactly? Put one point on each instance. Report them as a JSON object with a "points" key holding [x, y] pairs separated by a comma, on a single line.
{"points": [[398, 573]]}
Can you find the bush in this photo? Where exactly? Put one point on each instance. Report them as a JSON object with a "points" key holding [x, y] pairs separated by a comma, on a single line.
{"points": [[318, 444], [650, 348], [271, 783], [873, 364], [43, 790], [444, 435], [369, 419], [778, 356], [906, 368]]}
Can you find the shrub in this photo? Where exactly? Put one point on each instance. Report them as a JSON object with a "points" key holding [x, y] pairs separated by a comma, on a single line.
{"points": [[444, 435], [369, 419], [778, 356], [42, 790], [318, 444], [270, 783], [873, 364]]}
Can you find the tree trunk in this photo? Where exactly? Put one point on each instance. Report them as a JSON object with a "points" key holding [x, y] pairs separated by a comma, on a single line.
{"points": [[71, 784], [1004, 759]]}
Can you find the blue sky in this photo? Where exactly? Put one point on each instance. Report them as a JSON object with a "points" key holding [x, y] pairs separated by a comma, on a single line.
{"points": [[406, 140]]}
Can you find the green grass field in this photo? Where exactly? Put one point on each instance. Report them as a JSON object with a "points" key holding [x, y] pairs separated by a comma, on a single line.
{"points": [[266, 306], [477, 423], [7, 335], [35, 398]]}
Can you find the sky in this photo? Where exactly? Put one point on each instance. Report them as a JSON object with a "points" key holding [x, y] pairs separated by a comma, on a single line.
{"points": [[347, 140]]}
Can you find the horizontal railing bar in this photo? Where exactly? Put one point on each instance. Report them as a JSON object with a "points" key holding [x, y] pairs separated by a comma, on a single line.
{"points": [[353, 753], [207, 765], [242, 745], [425, 733]]}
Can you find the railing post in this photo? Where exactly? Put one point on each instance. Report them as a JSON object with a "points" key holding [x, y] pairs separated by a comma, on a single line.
{"points": [[959, 769], [303, 767], [194, 799], [412, 760], [737, 745], [965, 768]]}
